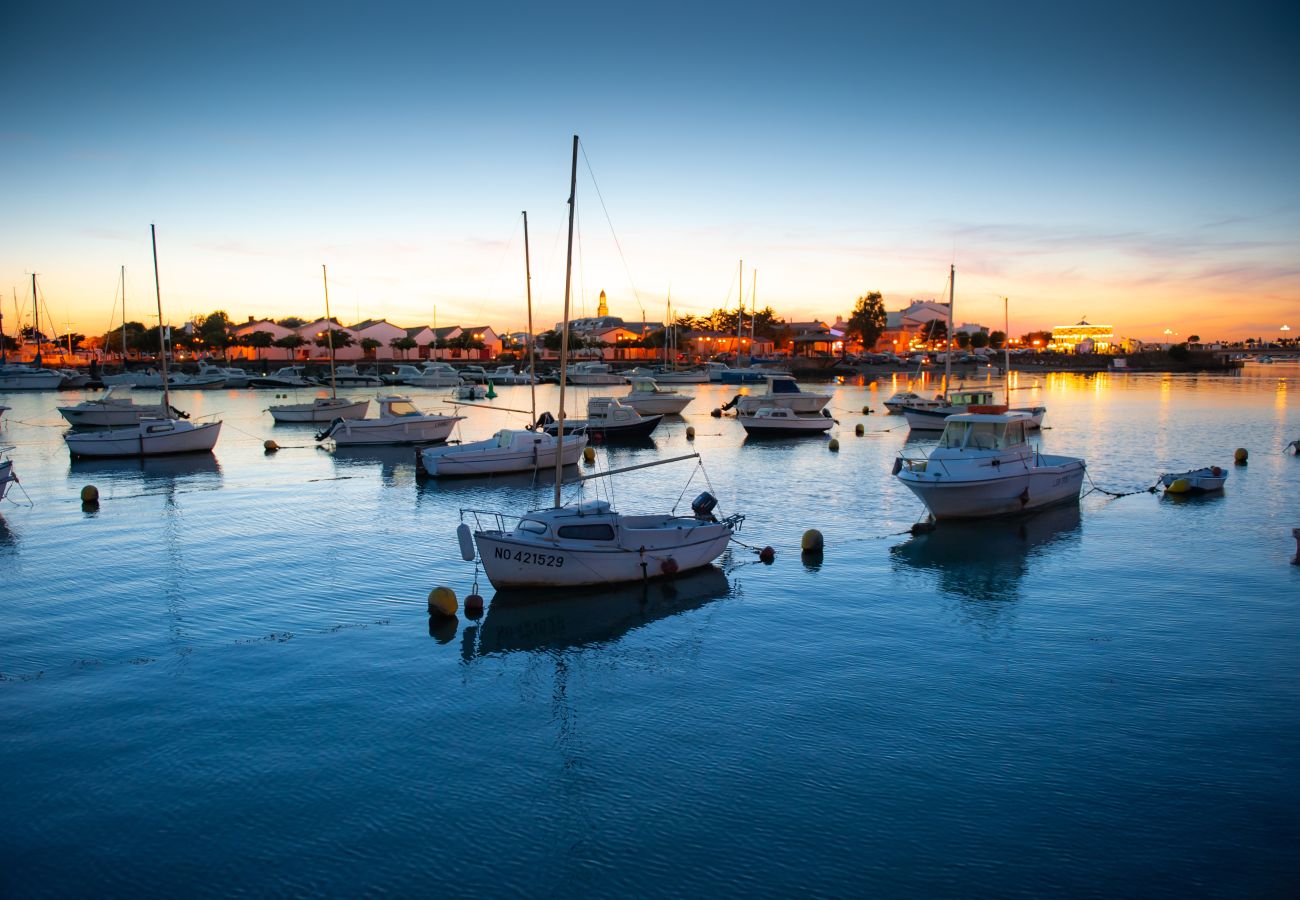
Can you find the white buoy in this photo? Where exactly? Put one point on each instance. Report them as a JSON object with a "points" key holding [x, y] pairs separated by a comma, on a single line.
{"points": [[466, 540]]}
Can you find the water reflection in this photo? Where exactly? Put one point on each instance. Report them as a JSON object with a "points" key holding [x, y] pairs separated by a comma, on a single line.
{"points": [[8, 540], [391, 460], [559, 620], [987, 560], [151, 471]]}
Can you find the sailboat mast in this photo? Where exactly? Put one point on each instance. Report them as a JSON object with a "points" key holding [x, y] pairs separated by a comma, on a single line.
{"points": [[123, 277], [36, 326], [564, 336], [1006, 348], [740, 316], [329, 331], [532, 359], [162, 329], [753, 311], [947, 359]]}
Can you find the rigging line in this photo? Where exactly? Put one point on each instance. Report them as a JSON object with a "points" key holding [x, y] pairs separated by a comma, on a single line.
{"points": [[630, 280]]}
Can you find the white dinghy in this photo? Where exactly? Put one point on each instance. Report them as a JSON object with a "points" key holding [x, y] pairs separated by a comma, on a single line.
{"points": [[149, 437], [1197, 481], [984, 466], [399, 422]]}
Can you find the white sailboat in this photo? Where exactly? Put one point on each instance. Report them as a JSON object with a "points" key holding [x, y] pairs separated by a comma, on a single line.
{"points": [[22, 377], [109, 411], [590, 543], [149, 437], [399, 422], [509, 450], [322, 409]]}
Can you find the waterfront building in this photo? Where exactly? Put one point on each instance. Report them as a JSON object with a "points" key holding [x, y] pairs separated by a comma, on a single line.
{"points": [[1082, 337]]}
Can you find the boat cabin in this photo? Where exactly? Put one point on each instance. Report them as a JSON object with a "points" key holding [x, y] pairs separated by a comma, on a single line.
{"points": [[970, 398], [397, 408], [645, 385], [982, 431], [608, 411]]}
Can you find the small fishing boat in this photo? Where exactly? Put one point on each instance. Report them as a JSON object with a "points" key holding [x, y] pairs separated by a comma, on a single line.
{"points": [[289, 377], [109, 411], [149, 437], [909, 399], [509, 450], [607, 419], [647, 397], [774, 420], [399, 422], [782, 390], [1197, 481], [984, 466], [7, 476], [966, 401], [20, 377], [348, 376], [592, 373], [469, 392]]}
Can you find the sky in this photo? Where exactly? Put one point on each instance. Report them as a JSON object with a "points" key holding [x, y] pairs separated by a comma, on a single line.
{"points": [[1134, 163]]}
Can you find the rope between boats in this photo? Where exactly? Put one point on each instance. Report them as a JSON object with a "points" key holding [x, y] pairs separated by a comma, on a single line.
{"points": [[1117, 494]]}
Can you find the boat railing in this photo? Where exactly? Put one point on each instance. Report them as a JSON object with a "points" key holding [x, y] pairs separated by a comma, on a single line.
{"points": [[496, 521]]}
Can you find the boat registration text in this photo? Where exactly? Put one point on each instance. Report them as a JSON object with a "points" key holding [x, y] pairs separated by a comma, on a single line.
{"points": [[528, 558]]}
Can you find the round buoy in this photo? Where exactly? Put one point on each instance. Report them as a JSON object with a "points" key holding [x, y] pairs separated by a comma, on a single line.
{"points": [[589, 454], [922, 528], [767, 555], [859, 430], [866, 410], [442, 602], [1240, 456], [834, 445], [1179, 486], [474, 606], [270, 446], [812, 540], [690, 432], [717, 413], [668, 566], [90, 495]]}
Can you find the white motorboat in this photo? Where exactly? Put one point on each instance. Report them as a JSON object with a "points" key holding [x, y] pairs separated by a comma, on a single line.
{"points": [[681, 376], [589, 543], [234, 377], [153, 381], [473, 374], [19, 377], [966, 401], [984, 466], [321, 409], [607, 419], [592, 373], [780, 420], [72, 379], [400, 374], [508, 375], [782, 390], [909, 399], [286, 377], [348, 376], [148, 437], [435, 374], [7, 476], [109, 411], [469, 392], [399, 422], [509, 450], [1197, 481], [647, 397]]}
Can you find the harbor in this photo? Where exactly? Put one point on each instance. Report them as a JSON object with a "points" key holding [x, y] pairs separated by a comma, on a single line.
{"points": [[230, 655]]}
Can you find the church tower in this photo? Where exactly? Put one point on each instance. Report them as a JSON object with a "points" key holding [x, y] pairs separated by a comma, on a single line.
{"points": [[603, 308]]}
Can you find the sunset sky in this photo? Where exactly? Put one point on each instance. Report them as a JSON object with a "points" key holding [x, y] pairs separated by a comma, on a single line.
{"points": [[1134, 163]]}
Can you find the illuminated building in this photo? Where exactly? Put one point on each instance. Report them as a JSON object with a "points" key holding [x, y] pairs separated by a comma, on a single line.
{"points": [[1067, 338]]}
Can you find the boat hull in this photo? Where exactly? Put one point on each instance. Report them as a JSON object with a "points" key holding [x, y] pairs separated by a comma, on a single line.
{"points": [[933, 419], [323, 412], [34, 380], [681, 377], [7, 477], [756, 425], [109, 416], [361, 432], [661, 405], [152, 437], [513, 563], [484, 458], [1054, 480], [433, 381]]}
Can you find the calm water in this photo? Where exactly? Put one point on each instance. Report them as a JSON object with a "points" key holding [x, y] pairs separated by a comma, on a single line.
{"points": [[225, 680]]}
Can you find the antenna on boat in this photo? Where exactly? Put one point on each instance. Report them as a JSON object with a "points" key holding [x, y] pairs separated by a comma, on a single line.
{"points": [[162, 329], [532, 361], [564, 336], [329, 332]]}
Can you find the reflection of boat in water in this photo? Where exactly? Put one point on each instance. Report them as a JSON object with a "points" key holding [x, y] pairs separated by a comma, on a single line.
{"points": [[201, 467], [987, 559], [558, 620]]}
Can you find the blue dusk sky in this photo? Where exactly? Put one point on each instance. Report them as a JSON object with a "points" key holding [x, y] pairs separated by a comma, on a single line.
{"points": [[1135, 163]]}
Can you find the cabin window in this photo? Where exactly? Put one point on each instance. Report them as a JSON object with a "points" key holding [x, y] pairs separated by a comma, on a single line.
{"points": [[984, 436], [954, 435], [587, 532], [1015, 433], [532, 527], [403, 409]]}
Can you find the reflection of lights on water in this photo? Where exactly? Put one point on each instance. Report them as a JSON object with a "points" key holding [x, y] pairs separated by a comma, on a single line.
{"points": [[1279, 396]]}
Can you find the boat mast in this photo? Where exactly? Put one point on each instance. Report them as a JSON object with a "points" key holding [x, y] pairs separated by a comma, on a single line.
{"points": [[947, 359], [329, 331], [162, 329], [753, 312], [740, 316], [564, 335], [123, 277], [532, 360], [36, 326], [1006, 348]]}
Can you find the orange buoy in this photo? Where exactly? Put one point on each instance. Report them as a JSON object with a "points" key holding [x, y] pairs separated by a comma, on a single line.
{"points": [[474, 606], [767, 555]]}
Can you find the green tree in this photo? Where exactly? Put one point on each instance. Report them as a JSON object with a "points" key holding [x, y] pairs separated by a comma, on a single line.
{"points": [[369, 346], [259, 341], [997, 339], [979, 339], [339, 338], [214, 331], [1043, 338], [1194, 339], [935, 332], [962, 340], [292, 322], [403, 345], [290, 344], [867, 320]]}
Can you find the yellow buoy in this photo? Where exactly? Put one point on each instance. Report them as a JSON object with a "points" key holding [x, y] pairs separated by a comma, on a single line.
{"points": [[859, 430], [270, 446], [834, 445], [589, 454], [1179, 486], [812, 541], [690, 432], [90, 494], [442, 602], [1241, 455]]}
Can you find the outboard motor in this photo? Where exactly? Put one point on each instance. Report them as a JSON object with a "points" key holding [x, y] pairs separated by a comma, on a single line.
{"points": [[703, 507], [545, 419], [732, 404]]}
